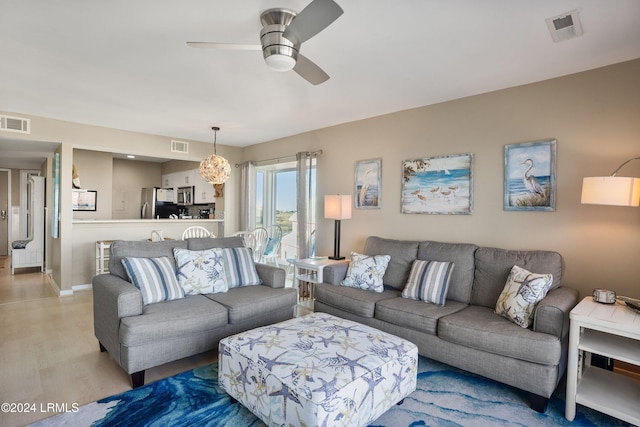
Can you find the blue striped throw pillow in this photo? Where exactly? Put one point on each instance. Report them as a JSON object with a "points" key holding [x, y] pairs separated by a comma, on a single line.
{"points": [[428, 281], [239, 268], [155, 277]]}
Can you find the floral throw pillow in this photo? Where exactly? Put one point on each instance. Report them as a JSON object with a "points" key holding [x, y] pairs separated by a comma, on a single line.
{"points": [[366, 272], [200, 272], [521, 294]]}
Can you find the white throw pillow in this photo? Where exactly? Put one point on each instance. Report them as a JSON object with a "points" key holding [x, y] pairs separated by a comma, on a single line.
{"points": [[428, 281], [521, 294], [366, 272], [155, 277], [200, 272]]}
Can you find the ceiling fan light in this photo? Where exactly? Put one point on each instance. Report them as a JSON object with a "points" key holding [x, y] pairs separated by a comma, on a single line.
{"points": [[278, 62]]}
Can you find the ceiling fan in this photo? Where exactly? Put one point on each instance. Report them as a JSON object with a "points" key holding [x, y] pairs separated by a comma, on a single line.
{"points": [[283, 32]]}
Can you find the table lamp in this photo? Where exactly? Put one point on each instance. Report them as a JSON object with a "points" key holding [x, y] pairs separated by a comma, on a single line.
{"points": [[337, 207]]}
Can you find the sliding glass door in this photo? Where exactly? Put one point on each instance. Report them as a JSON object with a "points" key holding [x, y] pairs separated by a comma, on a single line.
{"points": [[276, 202]]}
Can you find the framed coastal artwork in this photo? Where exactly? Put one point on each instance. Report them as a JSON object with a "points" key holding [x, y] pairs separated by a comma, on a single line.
{"points": [[438, 185], [368, 179], [530, 176]]}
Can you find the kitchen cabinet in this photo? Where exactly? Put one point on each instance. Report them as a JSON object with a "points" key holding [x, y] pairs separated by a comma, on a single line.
{"points": [[203, 192], [179, 179]]}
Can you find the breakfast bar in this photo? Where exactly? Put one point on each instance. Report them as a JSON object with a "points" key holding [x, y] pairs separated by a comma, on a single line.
{"points": [[87, 232]]}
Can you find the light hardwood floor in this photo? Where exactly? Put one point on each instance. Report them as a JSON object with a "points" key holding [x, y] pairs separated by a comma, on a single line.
{"points": [[48, 353]]}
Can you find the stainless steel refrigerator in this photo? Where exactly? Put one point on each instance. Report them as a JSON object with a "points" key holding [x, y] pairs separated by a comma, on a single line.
{"points": [[157, 203]]}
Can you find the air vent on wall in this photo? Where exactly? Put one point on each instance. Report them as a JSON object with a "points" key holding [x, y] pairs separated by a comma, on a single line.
{"points": [[564, 27], [179, 147], [15, 124]]}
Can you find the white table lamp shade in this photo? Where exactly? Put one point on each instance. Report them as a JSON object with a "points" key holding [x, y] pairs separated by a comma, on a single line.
{"points": [[337, 206]]}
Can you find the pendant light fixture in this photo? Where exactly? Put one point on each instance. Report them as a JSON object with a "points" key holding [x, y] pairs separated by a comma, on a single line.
{"points": [[215, 169]]}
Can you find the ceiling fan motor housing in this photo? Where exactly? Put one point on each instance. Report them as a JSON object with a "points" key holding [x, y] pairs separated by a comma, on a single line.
{"points": [[280, 53]]}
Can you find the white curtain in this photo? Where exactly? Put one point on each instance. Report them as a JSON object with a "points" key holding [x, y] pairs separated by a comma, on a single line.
{"points": [[247, 196], [305, 203]]}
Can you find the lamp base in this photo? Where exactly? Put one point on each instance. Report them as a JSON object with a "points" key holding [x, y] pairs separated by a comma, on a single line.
{"points": [[337, 258]]}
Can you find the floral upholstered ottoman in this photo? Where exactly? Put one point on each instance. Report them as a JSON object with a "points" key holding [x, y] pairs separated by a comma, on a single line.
{"points": [[317, 370]]}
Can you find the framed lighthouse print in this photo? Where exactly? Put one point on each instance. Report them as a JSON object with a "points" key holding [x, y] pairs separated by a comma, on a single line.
{"points": [[530, 176]]}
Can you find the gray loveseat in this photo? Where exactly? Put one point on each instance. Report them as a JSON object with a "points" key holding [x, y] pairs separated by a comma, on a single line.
{"points": [[465, 332], [141, 336]]}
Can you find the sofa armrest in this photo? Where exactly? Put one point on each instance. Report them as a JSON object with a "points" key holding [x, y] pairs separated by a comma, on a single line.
{"points": [[335, 273], [271, 276], [552, 313], [113, 299]]}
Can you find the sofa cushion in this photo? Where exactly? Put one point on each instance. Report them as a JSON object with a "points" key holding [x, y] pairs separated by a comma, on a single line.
{"points": [[200, 272], [402, 255], [480, 328], [155, 277], [366, 272], [428, 281], [191, 315], [494, 265], [239, 267], [414, 314], [200, 243], [247, 303], [354, 301], [521, 294], [462, 255], [140, 249]]}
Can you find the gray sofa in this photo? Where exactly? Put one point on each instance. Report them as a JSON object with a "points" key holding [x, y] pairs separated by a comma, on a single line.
{"points": [[140, 336], [465, 332]]}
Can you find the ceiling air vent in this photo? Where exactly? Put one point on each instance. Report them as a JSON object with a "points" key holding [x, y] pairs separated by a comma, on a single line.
{"points": [[15, 124], [564, 27], [179, 147]]}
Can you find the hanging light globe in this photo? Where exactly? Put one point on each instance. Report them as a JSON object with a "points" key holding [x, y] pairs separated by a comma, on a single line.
{"points": [[214, 169]]}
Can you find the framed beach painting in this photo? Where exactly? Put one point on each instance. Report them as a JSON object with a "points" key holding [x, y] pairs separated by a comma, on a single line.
{"points": [[368, 179], [530, 176], [438, 185]]}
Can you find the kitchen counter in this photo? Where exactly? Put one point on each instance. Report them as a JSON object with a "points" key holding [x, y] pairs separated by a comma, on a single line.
{"points": [[87, 231]]}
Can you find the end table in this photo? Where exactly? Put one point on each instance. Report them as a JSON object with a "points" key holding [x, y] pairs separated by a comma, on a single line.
{"points": [[611, 330], [310, 270]]}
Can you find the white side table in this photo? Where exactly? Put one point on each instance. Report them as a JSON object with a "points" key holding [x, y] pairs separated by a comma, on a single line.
{"points": [[310, 270], [611, 330]]}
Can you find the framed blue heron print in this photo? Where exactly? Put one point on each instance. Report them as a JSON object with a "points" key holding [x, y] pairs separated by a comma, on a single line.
{"points": [[530, 176], [368, 176]]}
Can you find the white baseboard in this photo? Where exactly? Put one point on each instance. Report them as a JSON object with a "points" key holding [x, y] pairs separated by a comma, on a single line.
{"points": [[67, 292]]}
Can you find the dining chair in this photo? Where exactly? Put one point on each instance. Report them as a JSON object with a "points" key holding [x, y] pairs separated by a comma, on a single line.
{"points": [[260, 236], [272, 246], [196, 231]]}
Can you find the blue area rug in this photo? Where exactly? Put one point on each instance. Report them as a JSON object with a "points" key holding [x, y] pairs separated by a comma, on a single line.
{"points": [[445, 396]]}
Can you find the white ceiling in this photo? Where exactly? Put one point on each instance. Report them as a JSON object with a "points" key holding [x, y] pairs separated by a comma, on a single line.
{"points": [[125, 64]]}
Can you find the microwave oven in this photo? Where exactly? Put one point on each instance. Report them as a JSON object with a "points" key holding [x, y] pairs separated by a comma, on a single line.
{"points": [[184, 196]]}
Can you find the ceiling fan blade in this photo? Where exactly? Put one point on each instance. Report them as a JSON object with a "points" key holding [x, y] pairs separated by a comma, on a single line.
{"points": [[310, 71], [214, 45], [317, 16]]}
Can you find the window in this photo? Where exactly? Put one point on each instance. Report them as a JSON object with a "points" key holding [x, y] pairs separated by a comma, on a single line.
{"points": [[276, 202]]}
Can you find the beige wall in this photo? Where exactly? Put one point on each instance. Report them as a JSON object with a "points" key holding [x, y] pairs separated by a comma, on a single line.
{"points": [[594, 116], [129, 177]]}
